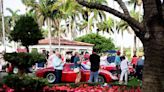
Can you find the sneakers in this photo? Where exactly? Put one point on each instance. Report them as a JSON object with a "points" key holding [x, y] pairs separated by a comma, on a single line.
{"points": [[125, 83], [120, 82]]}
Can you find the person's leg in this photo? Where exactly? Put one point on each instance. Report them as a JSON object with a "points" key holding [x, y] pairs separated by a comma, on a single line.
{"points": [[91, 76], [126, 76], [137, 71], [76, 80], [60, 76], [140, 72], [78, 77], [122, 75], [96, 76], [57, 74], [117, 70]]}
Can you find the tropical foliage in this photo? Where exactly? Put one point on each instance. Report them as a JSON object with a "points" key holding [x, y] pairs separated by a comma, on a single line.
{"points": [[26, 31], [100, 43], [13, 18], [149, 31], [24, 60]]}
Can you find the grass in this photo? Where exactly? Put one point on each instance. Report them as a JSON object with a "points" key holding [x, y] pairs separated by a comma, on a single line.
{"points": [[133, 82]]}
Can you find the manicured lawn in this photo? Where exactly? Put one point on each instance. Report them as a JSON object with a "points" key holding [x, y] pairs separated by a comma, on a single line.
{"points": [[132, 82]]}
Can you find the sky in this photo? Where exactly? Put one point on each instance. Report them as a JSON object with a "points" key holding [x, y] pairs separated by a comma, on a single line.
{"points": [[17, 4], [14, 5]]}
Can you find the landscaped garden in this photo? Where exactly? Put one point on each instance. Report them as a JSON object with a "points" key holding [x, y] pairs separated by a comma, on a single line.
{"points": [[15, 83], [70, 19]]}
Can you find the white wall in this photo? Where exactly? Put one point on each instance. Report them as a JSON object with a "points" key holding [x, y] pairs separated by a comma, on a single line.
{"points": [[66, 47]]}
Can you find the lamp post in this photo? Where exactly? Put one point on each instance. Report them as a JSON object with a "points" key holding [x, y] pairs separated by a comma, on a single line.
{"points": [[3, 26]]}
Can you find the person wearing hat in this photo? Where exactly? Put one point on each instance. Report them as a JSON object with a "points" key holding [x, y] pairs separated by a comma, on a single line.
{"points": [[139, 67]]}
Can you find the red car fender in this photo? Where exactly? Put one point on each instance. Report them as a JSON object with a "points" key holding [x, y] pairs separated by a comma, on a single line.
{"points": [[107, 75], [42, 72], [109, 68]]}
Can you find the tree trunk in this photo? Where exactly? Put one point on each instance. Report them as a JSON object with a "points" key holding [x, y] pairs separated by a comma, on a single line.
{"points": [[135, 47], [27, 48], [153, 74], [59, 37], [122, 43]]}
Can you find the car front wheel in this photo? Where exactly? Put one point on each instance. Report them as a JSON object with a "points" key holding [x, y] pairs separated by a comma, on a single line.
{"points": [[50, 77], [101, 78]]}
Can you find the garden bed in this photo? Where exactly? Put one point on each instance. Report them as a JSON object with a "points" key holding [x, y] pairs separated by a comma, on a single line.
{"points": [[15, 83]]}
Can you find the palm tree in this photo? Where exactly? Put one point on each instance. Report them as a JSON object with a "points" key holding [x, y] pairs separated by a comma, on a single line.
{"points": [[122, 26], [106, 25], [68, 11], [96, 14], [136, 3], [43, 12], [14, 17], [11, 22], [6, 25]]}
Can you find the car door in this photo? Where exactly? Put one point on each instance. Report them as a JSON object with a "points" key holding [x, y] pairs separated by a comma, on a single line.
{"points": [[85, 75], [68, 74]]}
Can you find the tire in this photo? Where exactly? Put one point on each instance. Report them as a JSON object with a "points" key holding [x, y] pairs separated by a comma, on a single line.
{"points": [[50, 77], [101, 79]]}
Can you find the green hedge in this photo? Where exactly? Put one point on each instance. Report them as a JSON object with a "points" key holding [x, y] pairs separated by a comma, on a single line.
{"points": [[27, 83], [24, 60]]}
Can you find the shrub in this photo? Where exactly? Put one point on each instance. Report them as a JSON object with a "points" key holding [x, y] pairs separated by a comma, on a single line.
{"points": [[24, 83], [24, 60]]}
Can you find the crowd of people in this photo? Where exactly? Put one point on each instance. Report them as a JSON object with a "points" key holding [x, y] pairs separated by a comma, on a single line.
{"points": [[121, 62], [55, 60], [94, 60]]}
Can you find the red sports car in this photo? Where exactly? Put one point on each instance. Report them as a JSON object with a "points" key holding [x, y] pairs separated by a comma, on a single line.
{"points": [[68, 74]]}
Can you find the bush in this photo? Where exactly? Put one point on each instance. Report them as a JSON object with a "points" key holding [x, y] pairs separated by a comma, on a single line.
{"points": [[18, 59], [37, 58], [24, 83], [24, 60], [101, 43]]}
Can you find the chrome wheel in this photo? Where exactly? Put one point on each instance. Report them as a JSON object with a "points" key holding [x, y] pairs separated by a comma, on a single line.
{"points": [[101, 78], [51, 77]]}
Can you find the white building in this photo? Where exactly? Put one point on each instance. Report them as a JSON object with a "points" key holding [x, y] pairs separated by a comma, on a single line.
{"points": [[65, 45]]}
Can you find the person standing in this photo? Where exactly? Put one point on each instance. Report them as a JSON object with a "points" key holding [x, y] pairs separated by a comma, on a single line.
{"points": [[58, 66], [95, 65], [77, 63], [72, 58], [124, 70], [134, 61], [50, 58], [86, 56], [139, 67], [117, 62]]}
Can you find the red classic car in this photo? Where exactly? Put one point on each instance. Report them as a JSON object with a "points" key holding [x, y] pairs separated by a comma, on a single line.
{"points": [[68, 74]]}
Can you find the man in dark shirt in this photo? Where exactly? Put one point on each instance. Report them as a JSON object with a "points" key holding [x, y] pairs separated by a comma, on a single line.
{"points": [[95, 64], [72, 58]]}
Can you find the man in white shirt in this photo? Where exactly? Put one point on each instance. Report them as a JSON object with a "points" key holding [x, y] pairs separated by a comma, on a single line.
{"points": [[58, 66], [124, 70]]}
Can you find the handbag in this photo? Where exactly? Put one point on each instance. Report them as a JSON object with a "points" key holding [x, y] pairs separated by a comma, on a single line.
{"points": [[76, 70]]}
